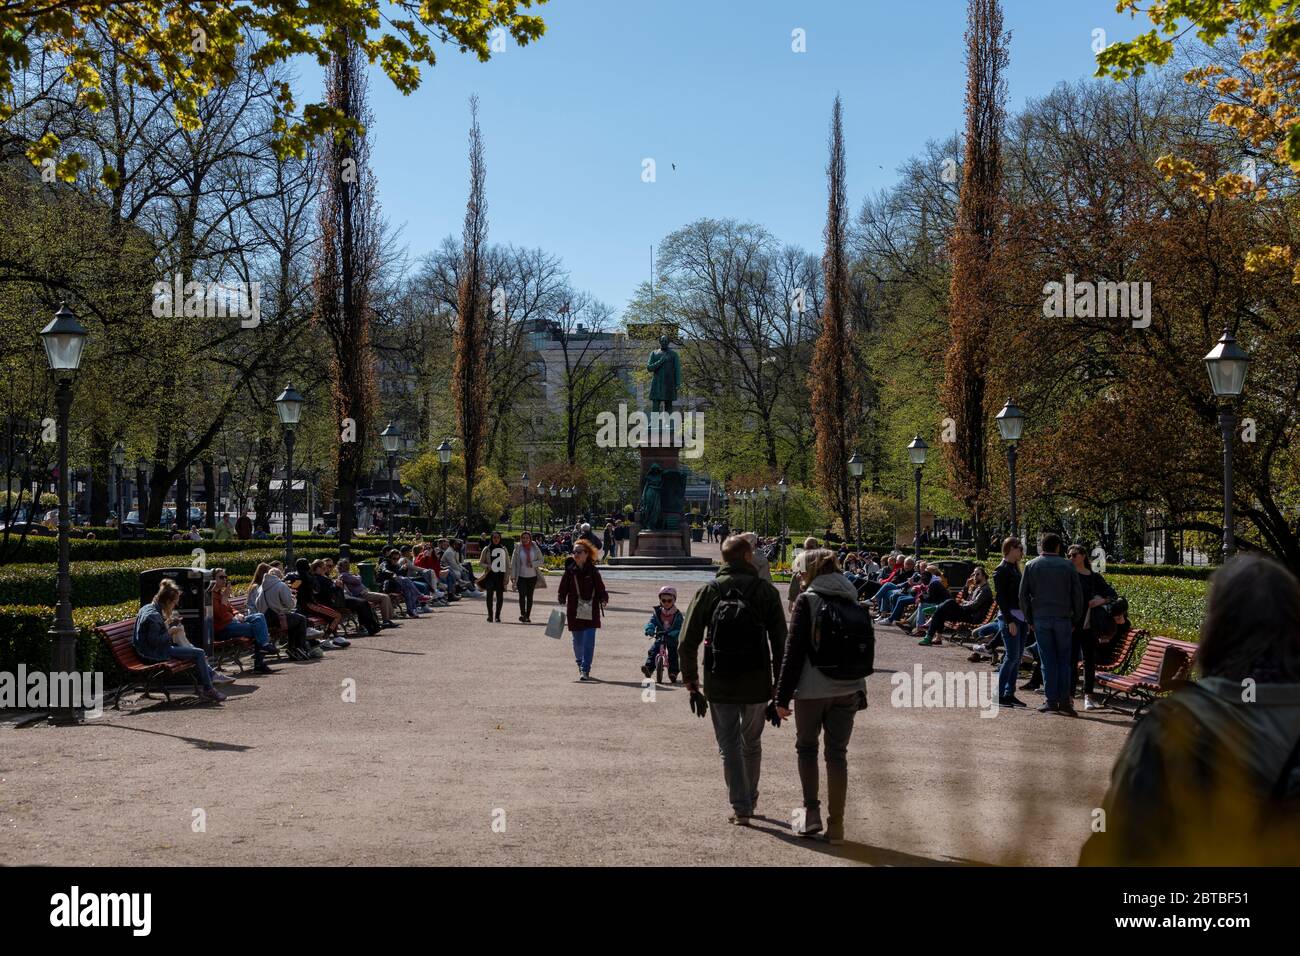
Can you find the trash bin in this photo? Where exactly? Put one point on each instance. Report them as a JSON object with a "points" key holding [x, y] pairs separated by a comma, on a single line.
{"points": [[367, 571], [195, 605]]}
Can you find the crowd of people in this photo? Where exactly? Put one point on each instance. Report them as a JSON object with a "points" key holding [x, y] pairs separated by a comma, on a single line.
{"points": [[746, 667]]}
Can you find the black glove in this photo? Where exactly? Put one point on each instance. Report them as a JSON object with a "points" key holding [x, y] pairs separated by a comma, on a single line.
{"points": [[699, 705], [773, 717]]}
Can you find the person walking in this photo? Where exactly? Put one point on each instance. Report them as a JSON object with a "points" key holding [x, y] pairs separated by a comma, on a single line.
{"points": [[758, 558], [495, 560], [524, 568], [823, 702], [1052, 602], [582, 592], [742, 616], [609, 541], [1011, 621]]}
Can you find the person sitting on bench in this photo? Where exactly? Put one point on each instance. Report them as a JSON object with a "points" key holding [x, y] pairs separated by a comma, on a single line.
{"points": [[971, 611], [156, 634]]}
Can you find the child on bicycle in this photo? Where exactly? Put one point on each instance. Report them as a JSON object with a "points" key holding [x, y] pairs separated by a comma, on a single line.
{"points": [[665, 626]]}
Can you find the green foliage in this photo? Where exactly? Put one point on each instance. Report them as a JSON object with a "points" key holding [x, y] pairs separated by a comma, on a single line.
{"points": [[192, 49], [96, 583]]}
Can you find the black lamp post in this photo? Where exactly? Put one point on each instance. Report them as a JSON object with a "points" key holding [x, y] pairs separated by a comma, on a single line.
{"points": [[523, 480], [444, 459], [916, 451], [1227, 365], [767, 515], [551, 492], [119, 462], [1011, 423], [142, 482], [855, 469], [783, 489], [289, 407], [540, 507], [64, 339], [391, 437]]}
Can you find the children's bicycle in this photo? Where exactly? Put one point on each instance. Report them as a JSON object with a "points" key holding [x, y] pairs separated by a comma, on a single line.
{"points": [[661, 659]]}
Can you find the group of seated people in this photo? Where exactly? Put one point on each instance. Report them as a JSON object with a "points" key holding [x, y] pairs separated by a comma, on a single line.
{"points": [[322, 591]]}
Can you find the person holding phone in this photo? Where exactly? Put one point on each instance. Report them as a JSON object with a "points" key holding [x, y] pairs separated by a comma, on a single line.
{"points": [[160, 636], [583, 593]]}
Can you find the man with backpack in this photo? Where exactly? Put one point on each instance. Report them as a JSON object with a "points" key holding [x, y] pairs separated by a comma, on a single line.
{"points": [[739, 619], [830, 652]]}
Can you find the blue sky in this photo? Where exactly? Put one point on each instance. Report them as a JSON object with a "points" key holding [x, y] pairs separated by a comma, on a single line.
{"points": [[711, 85]]}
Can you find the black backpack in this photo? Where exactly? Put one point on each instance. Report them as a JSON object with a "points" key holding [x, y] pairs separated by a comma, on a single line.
{"points": [[737, 638], [843, 645]]}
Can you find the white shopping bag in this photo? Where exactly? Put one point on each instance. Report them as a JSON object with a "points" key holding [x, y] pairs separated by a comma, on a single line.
{"points": [[555, 624]]}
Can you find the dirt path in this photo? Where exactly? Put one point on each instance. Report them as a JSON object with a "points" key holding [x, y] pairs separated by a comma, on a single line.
{"points": [[458, 723]]}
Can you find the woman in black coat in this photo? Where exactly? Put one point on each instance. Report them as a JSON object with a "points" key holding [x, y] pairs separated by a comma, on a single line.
{"points": [[1096, 592]]}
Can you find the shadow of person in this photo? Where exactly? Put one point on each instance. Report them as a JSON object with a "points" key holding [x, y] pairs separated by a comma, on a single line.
{"points": [[863, 853], [197, 742]]}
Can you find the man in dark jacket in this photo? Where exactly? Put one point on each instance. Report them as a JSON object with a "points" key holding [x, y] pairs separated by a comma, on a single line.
{"points": [[1052, 601], [737, 701]]}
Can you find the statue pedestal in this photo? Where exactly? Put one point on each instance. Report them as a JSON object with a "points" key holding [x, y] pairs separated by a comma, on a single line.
{"points": [[668, 546]]}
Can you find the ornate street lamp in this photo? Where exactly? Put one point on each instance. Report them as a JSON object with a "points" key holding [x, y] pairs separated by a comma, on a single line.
{"points": [[916, 451], [523, 481], [767, 524], [855, 469], [392, 440], [118, 455], [64, 339], [1011, 424], [1227, 365], [444, 460], [783, 489], [289, 407]]}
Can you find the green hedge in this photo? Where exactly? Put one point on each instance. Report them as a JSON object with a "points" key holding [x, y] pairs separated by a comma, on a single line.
{"points": [[39, 549], [96, 583]]}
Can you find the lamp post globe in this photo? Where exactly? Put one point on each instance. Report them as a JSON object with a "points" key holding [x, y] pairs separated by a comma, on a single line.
{"points": [[288, 405], [1227, 365], [1011, 425], [64, 339]]}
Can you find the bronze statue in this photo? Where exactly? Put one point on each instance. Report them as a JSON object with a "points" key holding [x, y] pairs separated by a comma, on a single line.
{"points": [[666, 366]]}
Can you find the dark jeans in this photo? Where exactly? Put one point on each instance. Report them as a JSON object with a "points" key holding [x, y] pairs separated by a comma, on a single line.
{"points": [[365, 614], [196, 657], [494, 586], [1011, 662], [526, 587], [835, 716], [1085, 645], [949, 610], [1054, 652], [295, 624], [739, 730]]}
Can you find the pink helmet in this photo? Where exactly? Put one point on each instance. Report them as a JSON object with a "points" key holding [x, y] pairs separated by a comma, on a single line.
{"points": [[669, 590]]}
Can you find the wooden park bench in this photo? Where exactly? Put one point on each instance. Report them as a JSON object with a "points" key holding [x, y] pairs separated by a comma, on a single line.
{"points": [[1164, 664], [140, 673], [1120, 651], [959, 631]]}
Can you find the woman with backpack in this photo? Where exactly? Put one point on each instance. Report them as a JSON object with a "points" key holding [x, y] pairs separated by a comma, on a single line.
{"points": [[822, 702], [583, 593]]}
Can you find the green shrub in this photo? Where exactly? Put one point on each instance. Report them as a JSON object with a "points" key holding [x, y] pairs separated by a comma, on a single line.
{"points": [[96, 583]]}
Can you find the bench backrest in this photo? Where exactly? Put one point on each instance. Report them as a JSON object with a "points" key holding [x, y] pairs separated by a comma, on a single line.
{"points": [[1123, 650], [119, 637]]}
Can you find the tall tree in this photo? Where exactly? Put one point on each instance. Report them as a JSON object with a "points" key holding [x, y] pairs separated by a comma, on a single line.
{"points": [[831, 378], [346, 265], [469, 376], [974, 292]]}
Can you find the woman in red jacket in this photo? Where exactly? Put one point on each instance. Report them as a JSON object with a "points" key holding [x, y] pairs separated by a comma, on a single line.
{"points": [[583, 593]]}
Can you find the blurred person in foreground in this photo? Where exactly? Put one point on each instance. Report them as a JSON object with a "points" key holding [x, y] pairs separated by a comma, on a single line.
{"points": [[1211, 777]]}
